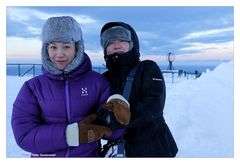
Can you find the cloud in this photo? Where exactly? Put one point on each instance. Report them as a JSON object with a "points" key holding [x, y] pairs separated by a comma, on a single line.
{"points": [[23, 48], [155, 57], [206, 56], [27, 22], [203, 47], [208, 51], [203, 52], [147, 35], [29, 49], [208, 33], [21, 14], [30, 21], [34, 31], [97, 57]]}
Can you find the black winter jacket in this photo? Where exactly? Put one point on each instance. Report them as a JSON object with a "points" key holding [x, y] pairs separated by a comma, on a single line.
{"points": [[147, 135]]}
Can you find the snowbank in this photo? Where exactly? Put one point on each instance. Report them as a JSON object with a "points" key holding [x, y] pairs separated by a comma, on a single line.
{"points": [[200, 114]]}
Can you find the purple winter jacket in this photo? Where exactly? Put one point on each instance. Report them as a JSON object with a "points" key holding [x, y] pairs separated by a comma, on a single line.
{"points": [[46, 104]]}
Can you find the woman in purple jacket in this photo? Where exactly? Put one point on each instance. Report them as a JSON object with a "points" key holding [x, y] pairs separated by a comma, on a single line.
{"points": [[53, 113]]}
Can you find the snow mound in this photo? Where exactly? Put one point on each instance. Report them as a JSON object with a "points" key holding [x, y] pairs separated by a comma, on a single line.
{"points": [[200, 114]]}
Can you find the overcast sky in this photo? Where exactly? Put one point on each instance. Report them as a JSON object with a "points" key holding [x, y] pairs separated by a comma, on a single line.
{"points": [[191, 33]]}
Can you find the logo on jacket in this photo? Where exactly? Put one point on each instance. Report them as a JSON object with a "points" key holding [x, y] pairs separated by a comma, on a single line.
{"points": [[84, 91]]}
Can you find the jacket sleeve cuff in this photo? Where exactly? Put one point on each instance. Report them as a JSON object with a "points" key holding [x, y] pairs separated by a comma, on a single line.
{"points": [[72, 134], [118, 96]]}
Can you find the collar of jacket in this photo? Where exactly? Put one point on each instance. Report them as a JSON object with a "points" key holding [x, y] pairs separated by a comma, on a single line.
{"points": [[81, 70]]}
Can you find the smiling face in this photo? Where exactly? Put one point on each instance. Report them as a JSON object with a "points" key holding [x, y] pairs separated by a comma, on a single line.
{"points": [[61, 54], [117, 46]]}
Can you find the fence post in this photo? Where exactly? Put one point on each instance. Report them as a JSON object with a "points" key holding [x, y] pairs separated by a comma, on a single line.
{"points": [[33, 70], [19, 72]]}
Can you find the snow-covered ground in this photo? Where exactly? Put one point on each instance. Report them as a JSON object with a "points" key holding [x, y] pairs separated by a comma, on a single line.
{"points": [[199, 113]]}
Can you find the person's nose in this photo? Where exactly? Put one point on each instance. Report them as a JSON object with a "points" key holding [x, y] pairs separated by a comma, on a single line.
{"points": [[59, 52], [116, 45]]}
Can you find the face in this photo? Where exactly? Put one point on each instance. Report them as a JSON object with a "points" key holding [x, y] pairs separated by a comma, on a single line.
{"points": [[117, 46], [61, 54]]}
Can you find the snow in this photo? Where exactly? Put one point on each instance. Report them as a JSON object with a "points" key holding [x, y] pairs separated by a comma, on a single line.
{"points": [[199, 113]]}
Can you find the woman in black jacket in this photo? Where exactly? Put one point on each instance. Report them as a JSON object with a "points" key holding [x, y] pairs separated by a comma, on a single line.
{"points": [[147, 134]]}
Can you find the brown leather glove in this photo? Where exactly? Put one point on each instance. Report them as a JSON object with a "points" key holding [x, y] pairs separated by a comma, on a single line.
{"points": [[91, 132], [120, 107]]}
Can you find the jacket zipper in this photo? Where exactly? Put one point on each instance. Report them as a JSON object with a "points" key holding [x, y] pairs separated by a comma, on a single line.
{"points": [[67, 107], [68, 101]]}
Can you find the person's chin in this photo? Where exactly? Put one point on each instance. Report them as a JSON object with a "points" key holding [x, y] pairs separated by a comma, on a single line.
{"points": [[61, 67]]}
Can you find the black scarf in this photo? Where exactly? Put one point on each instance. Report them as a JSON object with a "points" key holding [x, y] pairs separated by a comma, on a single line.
{"points": [[121, 62], [119, 65]]}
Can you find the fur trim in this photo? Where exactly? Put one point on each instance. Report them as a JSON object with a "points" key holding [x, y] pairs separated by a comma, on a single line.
{"points": [[118, 96], [116, 33], [62, 29], [72, 134]]}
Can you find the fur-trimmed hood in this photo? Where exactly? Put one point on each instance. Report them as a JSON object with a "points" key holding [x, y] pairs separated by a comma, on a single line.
{"points": [[134, 37], [61, 29]]}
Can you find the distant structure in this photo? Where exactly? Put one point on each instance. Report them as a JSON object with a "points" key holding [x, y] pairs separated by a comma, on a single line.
{"points": [[170, 58]]}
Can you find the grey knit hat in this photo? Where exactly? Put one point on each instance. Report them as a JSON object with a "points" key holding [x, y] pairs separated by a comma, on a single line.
{"points": [[116, 33], [62, 29]]}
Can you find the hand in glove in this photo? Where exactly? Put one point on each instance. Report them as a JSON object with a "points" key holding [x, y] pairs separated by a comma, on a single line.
{"points": [[90, 132], [120, 108]]}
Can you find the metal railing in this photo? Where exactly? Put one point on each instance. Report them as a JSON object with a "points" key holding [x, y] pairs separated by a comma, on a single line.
{"points": [[29, 69], [180, 73], [34, 70]]}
